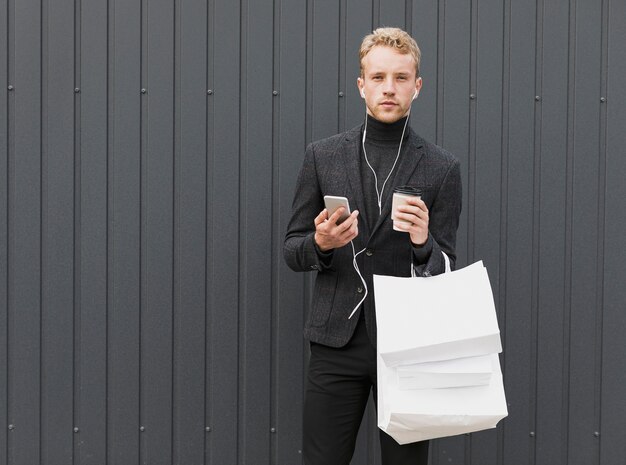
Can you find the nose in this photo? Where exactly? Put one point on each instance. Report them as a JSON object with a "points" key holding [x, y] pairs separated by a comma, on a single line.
{"points": [[389, 87]]}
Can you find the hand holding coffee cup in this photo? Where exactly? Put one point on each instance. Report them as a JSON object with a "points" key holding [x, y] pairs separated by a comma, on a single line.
{"points": [[409, 214]]}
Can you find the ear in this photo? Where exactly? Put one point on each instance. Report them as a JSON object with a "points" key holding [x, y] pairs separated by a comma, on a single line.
{"points": [[418, 87], [361, 84]]}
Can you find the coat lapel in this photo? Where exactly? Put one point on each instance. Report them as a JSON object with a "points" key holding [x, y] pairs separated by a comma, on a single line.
{"points": [[352, 152]]}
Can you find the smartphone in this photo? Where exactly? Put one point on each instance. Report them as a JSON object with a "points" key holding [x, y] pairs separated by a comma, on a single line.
{"points": [[333, 202]]}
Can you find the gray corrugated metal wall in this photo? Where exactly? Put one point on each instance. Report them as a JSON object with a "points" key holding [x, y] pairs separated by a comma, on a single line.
{"points": [[149, 150]]}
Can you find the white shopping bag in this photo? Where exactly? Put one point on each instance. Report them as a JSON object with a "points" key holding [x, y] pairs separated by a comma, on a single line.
{"points": [[443, 317], [417, 415], [437, 319], [469, 371]]}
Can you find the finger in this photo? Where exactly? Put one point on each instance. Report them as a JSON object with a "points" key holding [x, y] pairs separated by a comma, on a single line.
{"points": [[413, 214], [413, 208], [349, 222], [355, 232], [402, 226], [334, 218], [349, 229], [410, 216], [321, 217], [410, 223], [350, 234], [417, 201]]}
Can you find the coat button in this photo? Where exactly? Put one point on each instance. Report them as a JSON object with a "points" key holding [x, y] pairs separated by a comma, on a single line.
{"points": [[359, 290], [369, 252]]}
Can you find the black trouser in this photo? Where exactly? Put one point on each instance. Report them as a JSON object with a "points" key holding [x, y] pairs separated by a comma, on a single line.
{"points": [[338, 387]]}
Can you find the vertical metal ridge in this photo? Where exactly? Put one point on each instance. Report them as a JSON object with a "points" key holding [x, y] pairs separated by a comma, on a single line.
{"points": [[408, 16], [308, 98], [342, 56], [441, 51], [472, 125], [274, 232], [110, 146], [43, 206], [209, 140], [569, 227], [7, 232], [242, 258], [10, 207], [309, 116], [76, 281], [601, 250], [241, 261], [173, 232], [536, 234], [176, 220], [308, 131], [143, 198], [504, 197], [472, 159], [210, 130], [42, 219], [376, 14]]}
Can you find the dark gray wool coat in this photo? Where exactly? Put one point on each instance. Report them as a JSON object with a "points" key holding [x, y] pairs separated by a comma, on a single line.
{"points": [[331, 167]]}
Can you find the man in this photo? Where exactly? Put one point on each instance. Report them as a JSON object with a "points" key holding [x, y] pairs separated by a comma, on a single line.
{"points": [[364, 165]]}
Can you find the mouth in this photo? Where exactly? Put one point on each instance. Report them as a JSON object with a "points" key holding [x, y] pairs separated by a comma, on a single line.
{"points": [[388, 103]]}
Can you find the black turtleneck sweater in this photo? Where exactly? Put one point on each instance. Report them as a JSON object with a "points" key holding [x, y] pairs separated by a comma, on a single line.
{"points": [[382, 141]]}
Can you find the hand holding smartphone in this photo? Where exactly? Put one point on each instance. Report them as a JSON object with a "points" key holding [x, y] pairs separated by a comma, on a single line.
{"points": [[328, 235], [332, 203]]}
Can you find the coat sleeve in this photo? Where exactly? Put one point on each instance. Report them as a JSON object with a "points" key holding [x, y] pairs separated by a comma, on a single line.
{"points": [[299, 249], [443, 224]]}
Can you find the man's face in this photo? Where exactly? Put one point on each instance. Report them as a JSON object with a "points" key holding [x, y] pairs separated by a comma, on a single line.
{"points": [[389, 83]]}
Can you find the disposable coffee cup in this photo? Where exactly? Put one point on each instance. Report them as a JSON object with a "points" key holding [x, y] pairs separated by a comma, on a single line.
{"points": [[400, 196]]}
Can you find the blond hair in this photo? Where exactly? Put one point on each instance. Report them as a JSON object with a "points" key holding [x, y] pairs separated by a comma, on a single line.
{"points": [[392, 37]]}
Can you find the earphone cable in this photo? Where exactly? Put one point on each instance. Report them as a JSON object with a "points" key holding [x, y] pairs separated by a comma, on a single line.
{"points": [[358, 271], [379, 195]]}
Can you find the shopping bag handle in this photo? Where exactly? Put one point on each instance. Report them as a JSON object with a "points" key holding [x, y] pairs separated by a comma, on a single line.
{"points": [[446, 259]]}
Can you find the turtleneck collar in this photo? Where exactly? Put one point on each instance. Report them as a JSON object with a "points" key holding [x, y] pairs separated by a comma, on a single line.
{"points": [[385, 132]]}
